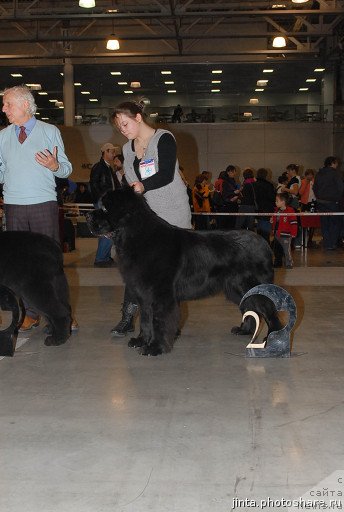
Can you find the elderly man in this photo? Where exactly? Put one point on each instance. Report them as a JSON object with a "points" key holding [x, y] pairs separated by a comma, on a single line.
{"points": [[31, 155]]}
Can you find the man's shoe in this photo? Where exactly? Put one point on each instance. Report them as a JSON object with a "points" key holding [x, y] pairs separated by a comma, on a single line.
{"points": [[28, 324], [126, 324], [105, 264]]}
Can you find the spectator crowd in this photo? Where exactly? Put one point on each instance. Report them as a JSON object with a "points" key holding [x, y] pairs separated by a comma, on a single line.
{"points": [[294, 193]]}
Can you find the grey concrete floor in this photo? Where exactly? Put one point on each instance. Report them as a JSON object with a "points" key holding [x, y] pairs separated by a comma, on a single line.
{"points": [[92, 426]]}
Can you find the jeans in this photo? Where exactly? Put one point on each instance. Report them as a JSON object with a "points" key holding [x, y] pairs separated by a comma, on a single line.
{"points": [[330, 226], [104, 249], [264, 228], [281, 247]]}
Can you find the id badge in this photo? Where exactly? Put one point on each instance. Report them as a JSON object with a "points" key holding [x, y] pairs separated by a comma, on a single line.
{"points": [[147, 168]]}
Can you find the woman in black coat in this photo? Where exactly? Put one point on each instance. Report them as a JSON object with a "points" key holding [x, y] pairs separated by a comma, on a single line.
{"points": [[265, 198], [230, 196]]}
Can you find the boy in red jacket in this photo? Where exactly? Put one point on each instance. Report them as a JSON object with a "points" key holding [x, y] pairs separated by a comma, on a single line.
{"points": [[284, 228]]}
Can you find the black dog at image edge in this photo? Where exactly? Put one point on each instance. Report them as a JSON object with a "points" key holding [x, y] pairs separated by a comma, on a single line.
{"points": [[163, 265], [31, 265]]}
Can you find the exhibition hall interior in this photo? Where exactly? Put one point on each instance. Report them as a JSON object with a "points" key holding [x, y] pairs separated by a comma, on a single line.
{"points": [[223, 419]]}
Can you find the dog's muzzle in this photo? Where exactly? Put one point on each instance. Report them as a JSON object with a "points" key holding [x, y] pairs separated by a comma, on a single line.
{"points": [[95, 224]]}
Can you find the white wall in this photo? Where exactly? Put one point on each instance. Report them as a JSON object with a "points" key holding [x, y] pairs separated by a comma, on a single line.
{"points": [[213, 146]]}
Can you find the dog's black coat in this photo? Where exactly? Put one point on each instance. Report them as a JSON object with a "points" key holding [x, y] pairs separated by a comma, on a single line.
{"points": [[31, 265], [163, 265]]}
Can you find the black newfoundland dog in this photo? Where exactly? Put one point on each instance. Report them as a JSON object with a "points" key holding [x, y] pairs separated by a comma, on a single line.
{"points": [[164, 265], [31, 265]]}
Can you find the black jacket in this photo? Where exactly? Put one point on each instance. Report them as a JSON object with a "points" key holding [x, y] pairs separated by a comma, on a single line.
{"points": [[247, 195], [265, 195], [102, 179], [228, 188], [328, 185]]}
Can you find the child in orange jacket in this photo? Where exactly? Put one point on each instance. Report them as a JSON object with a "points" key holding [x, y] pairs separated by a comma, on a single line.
{"points": [[284, 228]]}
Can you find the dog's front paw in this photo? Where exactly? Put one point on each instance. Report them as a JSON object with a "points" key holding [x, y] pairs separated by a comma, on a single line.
{"points": [[151, 350], [51, 342], [136, 342]]}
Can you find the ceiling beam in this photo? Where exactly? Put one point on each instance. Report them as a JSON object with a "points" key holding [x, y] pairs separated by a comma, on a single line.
{"points": [[61, 55], [23, 16], [157, 37]]}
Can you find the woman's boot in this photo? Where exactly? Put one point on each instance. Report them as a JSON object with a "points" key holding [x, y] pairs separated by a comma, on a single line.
{"points": [[126, 324]]}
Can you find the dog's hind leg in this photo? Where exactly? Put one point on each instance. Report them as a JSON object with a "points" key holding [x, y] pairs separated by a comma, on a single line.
{"points": [[248, 325], [52, 300], [265, 308], [165, 326]]}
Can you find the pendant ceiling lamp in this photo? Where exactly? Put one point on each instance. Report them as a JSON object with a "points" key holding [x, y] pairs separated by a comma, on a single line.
{"points": [[279, 42], [299, 1], [87, 4], [112, 43]]}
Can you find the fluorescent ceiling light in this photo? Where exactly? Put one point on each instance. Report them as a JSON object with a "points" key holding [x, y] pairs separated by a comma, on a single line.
{"points": [[154, 114], [77, 84], [16, 75], [278, 6], [78, 116], [268, 70], [53, 101], [171, 90], [311, 80], [122, 83], [319, 70], [37, 114], [279, 42], [216, 81], [45, 118], [93, 99], [43, 93], [87, 4], [303, 89], [112, 10], [216, 71], [58, 103], [169, 82], [215, 90], [34, 87], [247, 114], [262, 83], [166, 72], [115, 73], [112, 43], [61, 74], [85, 92], [259, 90], [128, 92]]}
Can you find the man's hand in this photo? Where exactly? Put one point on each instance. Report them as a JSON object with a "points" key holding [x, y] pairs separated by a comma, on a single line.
{"points": [[48, 159], [138, 187]]}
